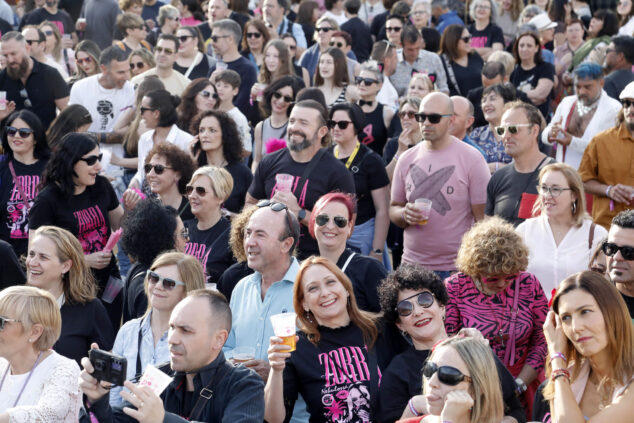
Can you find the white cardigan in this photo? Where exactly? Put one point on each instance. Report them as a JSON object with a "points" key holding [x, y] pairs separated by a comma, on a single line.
{"points": [[552, 263]]}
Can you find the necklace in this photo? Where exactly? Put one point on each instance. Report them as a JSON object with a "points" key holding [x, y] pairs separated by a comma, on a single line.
{"points": [[584, 110], [25, 382]]}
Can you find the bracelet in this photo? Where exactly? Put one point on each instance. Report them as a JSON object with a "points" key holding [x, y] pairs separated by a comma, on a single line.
{"points": [[396, 156], [607, 191], [558, 355], [411, 408], [558, 373]]}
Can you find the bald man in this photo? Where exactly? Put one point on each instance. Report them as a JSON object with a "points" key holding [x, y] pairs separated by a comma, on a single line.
{"points": [[450, 173], [463, 121]]}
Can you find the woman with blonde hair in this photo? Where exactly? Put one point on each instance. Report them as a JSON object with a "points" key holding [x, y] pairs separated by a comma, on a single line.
{"points": [[36, 383], [55, 263], [419, 86], [140, 60], [324, 29], [143, 341], [562, 237], [65, 57]]}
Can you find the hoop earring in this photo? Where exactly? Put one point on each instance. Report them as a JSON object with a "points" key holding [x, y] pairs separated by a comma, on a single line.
{"points": [[574, 207]]}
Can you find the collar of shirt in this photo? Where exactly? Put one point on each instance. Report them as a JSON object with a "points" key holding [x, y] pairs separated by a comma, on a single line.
{"points": [[289, 276], [203, 375], [61, 300], [624, 134]]}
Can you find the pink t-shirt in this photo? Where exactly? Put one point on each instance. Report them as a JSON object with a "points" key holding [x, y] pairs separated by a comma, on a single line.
{"points": [[453, 178]]}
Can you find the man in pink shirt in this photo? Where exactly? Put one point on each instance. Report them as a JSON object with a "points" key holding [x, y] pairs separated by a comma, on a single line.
{"points": [[450, 173]]}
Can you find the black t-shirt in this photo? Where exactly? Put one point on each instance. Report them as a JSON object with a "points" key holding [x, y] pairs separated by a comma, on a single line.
{"points": [[629, 302], [365, 273], [61, 19], [210, 247], [73, 7], [361, 38], [526, 80], [242, 178], [248, 74], [10, 270], [83, 324], [43, 86], [506, 188], [327, 176], [374, 134], [151, 12], [200, 70], [135, 299], [468, 77], [487, 37], [205, 30], [616, 82], [14, 218], [230, 278]]}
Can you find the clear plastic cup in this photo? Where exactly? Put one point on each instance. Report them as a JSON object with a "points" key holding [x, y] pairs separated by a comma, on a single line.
{"points": [[243, 354], [284, 327], [424, 206], [284, 182]]}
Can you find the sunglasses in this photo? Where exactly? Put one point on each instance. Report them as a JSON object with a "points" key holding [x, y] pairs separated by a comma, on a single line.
{"points": [[139, 65], [342, 124], [366, 81], [254, 35], [168, 283], [393, 28], [431, 117], [91, 160], [627, 103], [48, 33], [208, 94], [405, 307], [334, 44], [323, 219], [83, 61], [610, 249], [163, 50], [292, 47], [184, 38], [146, 109], [511, 128], [277, 207], [466, 39], [185, 234], [23, 132], [175, 18], [325, 29], [158, 168], [286, 98], [410, 115], [30, 42], [215, 38], [447, 375], [25, 95], [5, 320], [201, 191]]}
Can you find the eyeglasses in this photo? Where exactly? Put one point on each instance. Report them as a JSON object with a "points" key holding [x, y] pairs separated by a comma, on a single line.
{"points": [[168, 283], [410, 115], [215, 38], [158, 168], [25, 95], [184, 38], [466, 39], [201, 191], [366, 81], [511, 128], [86, 60], [432, 117], [336, 44], [627, 103], [5, 320], [554, 192], [208, 94], [48, 33], [277, 207], [254, 35], [418, 13], [323, 219], [146, 109], [447, 375], [287, 98], [292, 47], [185, 234], [30, 42], [323, 29], [175, 18], [342, 124], [91, 160], [405, 307], [139, 27], [168, 51], [393, 28], [139, 65], [610, 249], [483, 7], [23, 132]]}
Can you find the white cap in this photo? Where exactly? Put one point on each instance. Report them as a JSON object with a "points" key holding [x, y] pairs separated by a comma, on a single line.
{"points": [[628, 91], [542, 22]]}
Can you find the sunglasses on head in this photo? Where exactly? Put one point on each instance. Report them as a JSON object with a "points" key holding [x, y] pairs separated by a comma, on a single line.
{"points": [[83, 61], [91, 160], [627, 103], [323, 219], [336, 44], [138, 65], [163, 50], [201, 191], [184, 38], [324, 29], [410, 115], [365, 81], [287, 98], [405, 307], [610, 249], [342, 124], [168, 283], [158, 168], [513, 129], [253, 35], [22, 132], [431, 117], [447, 375], [276, 207], [5, 320], [208, 94]]}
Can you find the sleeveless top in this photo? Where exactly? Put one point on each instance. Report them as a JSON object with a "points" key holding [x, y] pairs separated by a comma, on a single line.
{"points": [[374, 134], [268, 132]]}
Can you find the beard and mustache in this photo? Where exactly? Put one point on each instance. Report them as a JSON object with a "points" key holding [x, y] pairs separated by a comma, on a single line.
{"points": [[19, 71], [300, 146]]}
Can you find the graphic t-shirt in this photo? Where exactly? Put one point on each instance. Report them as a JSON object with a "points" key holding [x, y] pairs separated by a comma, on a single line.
{"points": [[61, 20], [487, 37], [526, 80], [210, 247], [14, 219]]}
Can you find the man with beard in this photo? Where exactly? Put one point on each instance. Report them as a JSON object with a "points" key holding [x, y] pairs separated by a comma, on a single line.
{"points": [[315, 171], [579, 117], [50, 12], [28, 83], [607, 162], [619, 250], [619, 58]]}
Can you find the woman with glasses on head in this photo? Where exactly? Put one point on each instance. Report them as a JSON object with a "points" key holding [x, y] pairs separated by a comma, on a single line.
{"points": [[208, 189], [419, 86], [256, 36], [192, 61], [143, 340], [140, 60], [200, 96], [215, 145], [87, 59], [55, 263], [143, 243], [26, 153], [132, 27], [462, 63], [324, 28], [562, 238], [486, 36], [169, 21], [493, 293], [74, 118], [37, 384]]}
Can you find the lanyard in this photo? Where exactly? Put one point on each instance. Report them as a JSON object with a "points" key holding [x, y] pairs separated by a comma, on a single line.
{"points": [[352, 156], [25, 382]]}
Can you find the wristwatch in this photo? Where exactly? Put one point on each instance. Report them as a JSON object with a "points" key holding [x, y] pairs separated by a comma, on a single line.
{"points": [[301, 215], [521, 386]]}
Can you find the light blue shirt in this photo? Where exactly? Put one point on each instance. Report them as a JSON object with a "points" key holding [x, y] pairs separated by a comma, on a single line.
{"points": [[251, 324], [295, 29], [126, 345]]}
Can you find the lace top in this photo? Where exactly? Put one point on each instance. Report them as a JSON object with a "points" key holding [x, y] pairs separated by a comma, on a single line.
{"points": [[52, 394]]}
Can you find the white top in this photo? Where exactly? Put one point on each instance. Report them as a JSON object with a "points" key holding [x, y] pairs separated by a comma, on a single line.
{"points": [[340, 19], [52, 394], [551, 263], [175, 83], [387, 94], [628, 28], [243, 127], [176, 136]]}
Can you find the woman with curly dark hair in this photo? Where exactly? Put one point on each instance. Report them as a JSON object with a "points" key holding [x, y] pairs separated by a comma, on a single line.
{"points": [[74, 118], [167, 170], [199, 96], [217, 143], [143, 243]]}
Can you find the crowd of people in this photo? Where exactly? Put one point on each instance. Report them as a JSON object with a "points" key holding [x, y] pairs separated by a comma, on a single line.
{"points": [[438, 193]]}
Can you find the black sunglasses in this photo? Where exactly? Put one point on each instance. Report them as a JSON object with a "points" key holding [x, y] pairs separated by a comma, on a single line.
{"points": [[287, 98], [323, 219], [276, 207], [139, 65], [466, 39], [447, 375], [23, 132], [5, 320], [610, 249], [405, 307], [146, 109], [410, 115], [253, 35], [342, 124], [215, 38], [208, 94], [323, 29], [338, 44], [158, 168], [366, 81], [393, 28], [627, 103], [168, 283], [201, 191], [432, 117], [30, 42], [91, 160]]}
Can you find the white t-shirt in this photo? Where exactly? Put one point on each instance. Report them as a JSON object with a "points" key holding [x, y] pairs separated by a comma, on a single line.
{"points": [[243, 126]]}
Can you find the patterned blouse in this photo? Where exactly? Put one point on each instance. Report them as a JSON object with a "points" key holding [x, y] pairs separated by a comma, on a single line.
{"points": [[483, 137], [491, 315]]}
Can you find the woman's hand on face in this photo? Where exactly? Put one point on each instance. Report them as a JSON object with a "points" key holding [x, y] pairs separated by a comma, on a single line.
{"points": [[404, 140], [278, 353], [554, 333], [458, 403], [9, 108], [99, 260]]}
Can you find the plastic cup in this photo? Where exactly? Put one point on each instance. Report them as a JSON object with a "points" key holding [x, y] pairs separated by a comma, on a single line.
{"points": [[3, 100], [284, 182], [284, 327], [424, 206], [243, 354]]}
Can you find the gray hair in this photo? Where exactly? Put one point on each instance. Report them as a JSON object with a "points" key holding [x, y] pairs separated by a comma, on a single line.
{"points": [[231, 26], [530, 10], [166, 11], [494, 9], [372, 67], [439, 3], [14, 35]]}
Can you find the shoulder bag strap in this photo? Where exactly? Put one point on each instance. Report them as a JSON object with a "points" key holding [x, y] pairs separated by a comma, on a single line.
{"points": [[509, 357], [19, 185], [345, 265], [307, 171], [138, 351], [207, 392], [591, 235], [194, 63], [451, 77]]}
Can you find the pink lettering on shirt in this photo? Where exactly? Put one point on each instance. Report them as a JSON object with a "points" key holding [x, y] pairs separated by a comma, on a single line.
{"points": [[92, 229], [477, 42]]}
